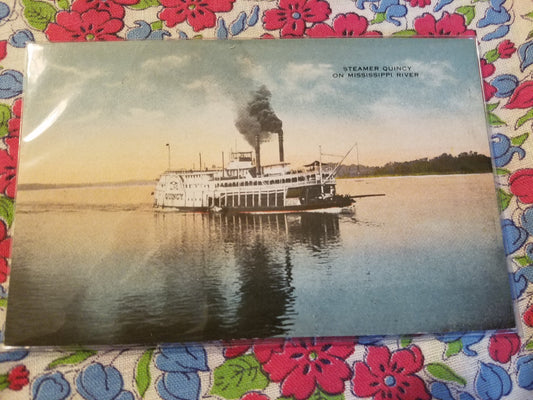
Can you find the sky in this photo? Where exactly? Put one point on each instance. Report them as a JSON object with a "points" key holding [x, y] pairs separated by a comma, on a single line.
{"points": [[104, 112]]}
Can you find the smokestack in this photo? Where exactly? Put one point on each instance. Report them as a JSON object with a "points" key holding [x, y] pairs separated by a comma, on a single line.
{"points": [[258, 154], [280, 142]]}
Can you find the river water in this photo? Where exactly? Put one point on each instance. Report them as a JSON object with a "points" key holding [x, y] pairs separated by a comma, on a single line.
{"points": [[100, 266]]}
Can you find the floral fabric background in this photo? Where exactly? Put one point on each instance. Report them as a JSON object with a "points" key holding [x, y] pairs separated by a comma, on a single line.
{"points": [[460, 366]]}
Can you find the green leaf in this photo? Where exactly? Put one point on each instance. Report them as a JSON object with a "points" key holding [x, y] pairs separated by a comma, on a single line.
{"points": [[142, 377], [7, 210], [529, 35], [63, 4], [320, 395], [504, 199], [519, 140], [3, 303], [524, 118], [76, 358], [502, 171], [38, 13], [445, 373], [494, 120], [5, 115], [405, 341], [407, 32], [492, 56], [454, 348], [237, 376], [468, 11], [492, 107], [144, 4], [529, 345], [523, 261], [157, 25], [4, 385], [380, 17], [529, 15]]}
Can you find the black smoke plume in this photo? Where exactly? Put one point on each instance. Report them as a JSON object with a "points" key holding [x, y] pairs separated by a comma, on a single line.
{"points": [[257, 118]]}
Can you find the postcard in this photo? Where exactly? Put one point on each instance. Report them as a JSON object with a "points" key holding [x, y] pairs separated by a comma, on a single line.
{"points": [[205, 190]]}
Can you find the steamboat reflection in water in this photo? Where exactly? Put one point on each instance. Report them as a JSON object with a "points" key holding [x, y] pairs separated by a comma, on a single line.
{"points": [[212, 277]]}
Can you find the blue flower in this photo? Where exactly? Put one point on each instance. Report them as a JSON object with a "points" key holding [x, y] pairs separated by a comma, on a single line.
{"points": [[492, 382], [14, 355], [182, 358], [97, 382], [222, 30], [525, 54], [505, 85], [370, 340], [527, 220], [524, 367], [392, 9], [10, 84], [239, 24], [4, 10], [50, 387], [503, 151], [254, 16], [441, 4], [467, 340], [513, 236], [494, 16], [360, 4], [518, 283], [144, 32], [179, 386], [441, 392], [21, 38]]}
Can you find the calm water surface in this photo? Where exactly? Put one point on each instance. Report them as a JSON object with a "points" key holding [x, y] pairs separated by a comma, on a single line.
{"points": [[425, 257]]}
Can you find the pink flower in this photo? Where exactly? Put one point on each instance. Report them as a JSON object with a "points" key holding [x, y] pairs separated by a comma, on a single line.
{"points": [[344, 25], [5, 251], [18, 377], [486, 71], [92, 25], [255, 396], [419, 3], [528, 316], [521, 185], [448, 25], [502, 346], [506, 49], [390, 376], [291, 16], [522, 97], [303, 365], [4, 270], [200, 14]]}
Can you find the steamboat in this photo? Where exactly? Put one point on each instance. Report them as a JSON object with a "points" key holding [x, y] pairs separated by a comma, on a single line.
{"points": [[246, 186]]}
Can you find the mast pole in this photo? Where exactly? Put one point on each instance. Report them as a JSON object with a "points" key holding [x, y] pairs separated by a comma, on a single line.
{"points": [[320, 169], [168, 147]]}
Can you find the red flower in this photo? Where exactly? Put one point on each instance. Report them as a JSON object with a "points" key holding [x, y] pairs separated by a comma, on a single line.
{"points": [[72, 26], [448, 25], [506, 49], [18, 377], [521, 185], [385, 376], [199, 14], [419, 3], [3, 49], [305, 364], [8, 168], [292, 15], [486, 71], [344, 25], [255, 396], [4, 269], [114, 8], [522, 97], [262, 348], [502, 346], [528, 316]]}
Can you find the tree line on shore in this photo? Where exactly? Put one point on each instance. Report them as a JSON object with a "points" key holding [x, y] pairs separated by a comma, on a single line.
{"points": [[464, 163]]}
